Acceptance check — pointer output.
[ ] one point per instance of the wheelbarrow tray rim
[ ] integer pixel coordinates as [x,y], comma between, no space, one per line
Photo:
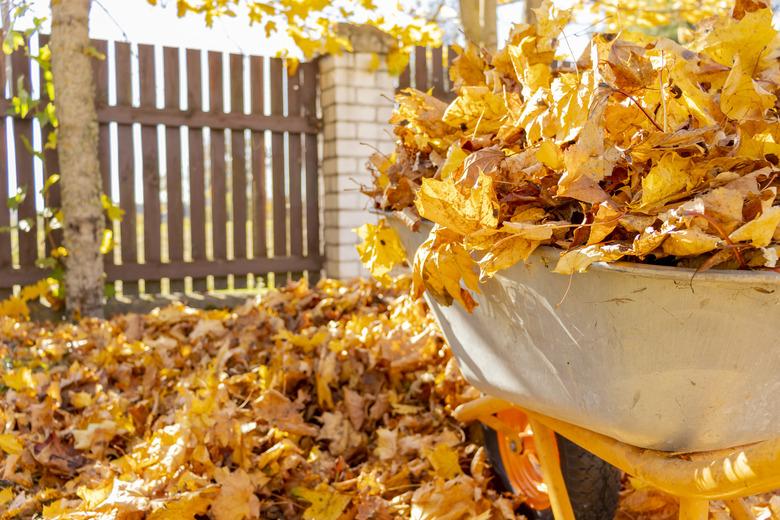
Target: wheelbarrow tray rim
[679,274]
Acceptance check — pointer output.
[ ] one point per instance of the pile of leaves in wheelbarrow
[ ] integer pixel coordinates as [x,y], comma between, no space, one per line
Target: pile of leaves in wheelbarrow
[643,150]
[326,403]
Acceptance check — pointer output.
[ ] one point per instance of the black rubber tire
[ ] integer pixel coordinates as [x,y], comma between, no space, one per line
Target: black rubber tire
[593,484]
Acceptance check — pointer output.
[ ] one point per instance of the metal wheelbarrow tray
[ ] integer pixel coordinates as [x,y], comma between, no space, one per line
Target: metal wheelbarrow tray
[652,356]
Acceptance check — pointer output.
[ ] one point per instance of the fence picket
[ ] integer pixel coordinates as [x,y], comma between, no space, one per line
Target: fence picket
[126,161]
[238,165]
[196,172]
[309,105]
[437,71]
[278,168]
[421,68]
[218,174]
[259,217]
[405,79]
[174,208]
[150,163]
[295,166]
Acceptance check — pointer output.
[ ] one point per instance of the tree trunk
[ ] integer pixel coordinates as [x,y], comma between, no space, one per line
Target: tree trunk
[77,145]
[478,18]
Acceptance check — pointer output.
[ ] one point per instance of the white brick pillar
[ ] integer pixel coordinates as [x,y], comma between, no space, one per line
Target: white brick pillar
[356,105]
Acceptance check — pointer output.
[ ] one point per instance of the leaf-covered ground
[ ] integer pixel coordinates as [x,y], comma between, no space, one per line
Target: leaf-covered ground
[325,403]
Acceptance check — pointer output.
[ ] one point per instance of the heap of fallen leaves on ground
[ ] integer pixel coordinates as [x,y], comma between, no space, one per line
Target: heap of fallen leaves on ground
[316,403]
[644,150]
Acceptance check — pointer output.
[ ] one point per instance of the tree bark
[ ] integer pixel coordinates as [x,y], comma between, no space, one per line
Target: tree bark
[77,145]
[478,18]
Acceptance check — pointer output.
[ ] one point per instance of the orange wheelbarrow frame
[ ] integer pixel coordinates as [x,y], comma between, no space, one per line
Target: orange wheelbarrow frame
[694,478]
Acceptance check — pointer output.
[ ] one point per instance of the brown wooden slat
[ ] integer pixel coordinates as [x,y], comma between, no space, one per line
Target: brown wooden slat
[127,115]
[420,68]
[195,269]
[405,79]
[218,174]
[173,149]
[150,161]
[5,215]
[309,102]
[197,178]
[100,72]
[259,248]
[201,120]
[451,55]
[126,164]
[295,165]
[277,164]
[437,71]
[238,163]
[25,174]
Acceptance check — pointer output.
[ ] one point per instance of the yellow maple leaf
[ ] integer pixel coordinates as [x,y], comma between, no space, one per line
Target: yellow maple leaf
[14,307]
[185,506]
[444,460]
[20,379]
[6,495]
[748,38]
[506,253]
[578,260]
[453,161]
[56,509]
[689,242]
[550,155]
[665,179]
[326,503]
[37,290]
[742,98]
[236,499]
[760,230]
[10,444]
[477,109]
[381,249]
[443,203]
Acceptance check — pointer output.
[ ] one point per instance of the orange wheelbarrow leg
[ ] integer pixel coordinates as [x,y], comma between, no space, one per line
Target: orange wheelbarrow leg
[738,509]
[547,450]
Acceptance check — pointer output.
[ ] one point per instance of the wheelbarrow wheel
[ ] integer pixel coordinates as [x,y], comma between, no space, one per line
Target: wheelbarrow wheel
[592,484]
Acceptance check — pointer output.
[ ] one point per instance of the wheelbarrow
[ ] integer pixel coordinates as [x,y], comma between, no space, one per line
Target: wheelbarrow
[670,375]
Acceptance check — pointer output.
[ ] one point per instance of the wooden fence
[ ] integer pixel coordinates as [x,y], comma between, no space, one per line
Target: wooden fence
[429,69]
[212,158]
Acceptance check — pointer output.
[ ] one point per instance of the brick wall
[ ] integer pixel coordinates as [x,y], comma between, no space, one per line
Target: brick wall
[356,105]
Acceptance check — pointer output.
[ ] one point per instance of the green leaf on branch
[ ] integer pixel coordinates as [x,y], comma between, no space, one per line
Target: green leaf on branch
[50,181]
[12,41]
[107,243]
[51,139]
[92,52]
[15,200]
[113,212]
